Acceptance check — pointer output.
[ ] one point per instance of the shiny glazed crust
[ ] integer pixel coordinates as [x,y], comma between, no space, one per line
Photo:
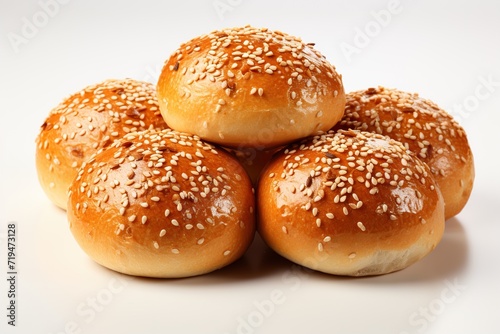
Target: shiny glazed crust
[424,128]
[350,203]
[162,204]
[250,87]
[87,121]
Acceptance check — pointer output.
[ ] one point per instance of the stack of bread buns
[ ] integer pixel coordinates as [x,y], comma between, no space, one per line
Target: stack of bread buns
[159,181]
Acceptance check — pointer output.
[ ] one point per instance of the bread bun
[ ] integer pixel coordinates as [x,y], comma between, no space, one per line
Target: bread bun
[250,87]
[253,160]
[87,121]
[350,203]
[162,204]
[424,128]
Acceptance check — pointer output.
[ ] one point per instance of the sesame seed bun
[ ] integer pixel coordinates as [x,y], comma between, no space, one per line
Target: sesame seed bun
[250,87]
[350,203]
[87,121]
[424,128]
[162,204]
[253,160]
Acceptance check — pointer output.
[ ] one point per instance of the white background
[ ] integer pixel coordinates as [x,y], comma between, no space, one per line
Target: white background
[448,51]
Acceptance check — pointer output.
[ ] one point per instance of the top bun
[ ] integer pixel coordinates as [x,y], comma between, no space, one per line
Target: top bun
[250,87]
[87,121]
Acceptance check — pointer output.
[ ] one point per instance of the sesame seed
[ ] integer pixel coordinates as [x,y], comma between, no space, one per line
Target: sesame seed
[163,232]
[227,252]
[308,181]
[361,226]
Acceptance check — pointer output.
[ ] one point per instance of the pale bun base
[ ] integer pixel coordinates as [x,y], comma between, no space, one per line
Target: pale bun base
[455,180]
[136,259]
[368,260]
[55,183]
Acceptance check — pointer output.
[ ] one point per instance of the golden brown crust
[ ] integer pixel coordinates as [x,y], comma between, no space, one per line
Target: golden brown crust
[87,121]
[424,128]
[162,204]
[253,160]
[350,203]
[250,87]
